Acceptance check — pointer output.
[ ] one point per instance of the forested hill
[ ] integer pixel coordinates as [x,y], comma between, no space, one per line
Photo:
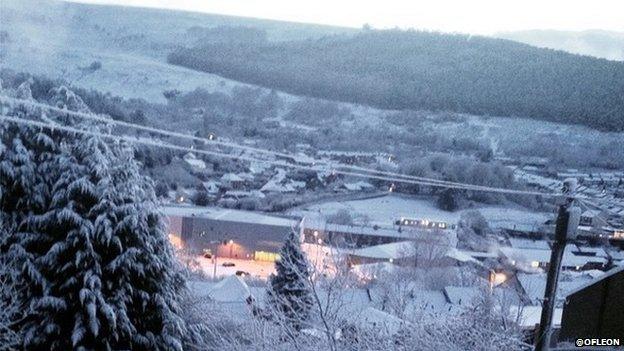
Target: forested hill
[423,70]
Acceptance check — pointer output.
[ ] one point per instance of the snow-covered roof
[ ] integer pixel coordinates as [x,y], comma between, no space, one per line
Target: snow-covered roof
[534,285]
[372,270]
[231,177]
[230,289]
[519,243]
[461,256]
[274,187]
[297,184]
[430,301]
[239,194]
[572,256]
[597,251]
[478,254]
[591,282]
[211,186]
[194,162]
[529,316]
[380,321]
[303,158]
[351,186]
[617,255]
[246,176]
[230,215]
[257,167]
[396,250]
[461,295]
[366,230]
[591,213]
[526,255]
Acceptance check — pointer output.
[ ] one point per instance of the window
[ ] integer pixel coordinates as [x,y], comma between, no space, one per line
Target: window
[266,256]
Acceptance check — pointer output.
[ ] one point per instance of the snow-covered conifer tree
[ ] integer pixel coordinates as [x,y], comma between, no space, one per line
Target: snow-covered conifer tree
[96,270]
[289,292]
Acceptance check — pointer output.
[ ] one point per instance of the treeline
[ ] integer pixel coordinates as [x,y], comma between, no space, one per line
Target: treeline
[422,70]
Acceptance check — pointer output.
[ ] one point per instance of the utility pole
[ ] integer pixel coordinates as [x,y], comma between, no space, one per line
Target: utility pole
[567,222]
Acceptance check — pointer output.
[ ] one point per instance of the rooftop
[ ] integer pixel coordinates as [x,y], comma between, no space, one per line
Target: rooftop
[223,214]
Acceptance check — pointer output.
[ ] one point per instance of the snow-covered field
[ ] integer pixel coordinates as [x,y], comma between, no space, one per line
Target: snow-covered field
[387,209]
[59,39]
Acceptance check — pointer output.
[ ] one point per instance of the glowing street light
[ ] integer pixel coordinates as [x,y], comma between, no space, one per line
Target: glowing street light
[497,278]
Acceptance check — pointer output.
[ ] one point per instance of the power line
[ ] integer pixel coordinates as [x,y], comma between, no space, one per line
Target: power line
[118,138]
[107,120]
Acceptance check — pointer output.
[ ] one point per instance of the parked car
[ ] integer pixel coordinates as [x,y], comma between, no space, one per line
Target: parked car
[207,255]
[242,273]
[228,264]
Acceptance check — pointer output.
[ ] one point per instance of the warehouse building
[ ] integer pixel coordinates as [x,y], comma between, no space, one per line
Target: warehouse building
[227,233]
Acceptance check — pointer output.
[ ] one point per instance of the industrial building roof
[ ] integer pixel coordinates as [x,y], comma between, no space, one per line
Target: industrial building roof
[230,215]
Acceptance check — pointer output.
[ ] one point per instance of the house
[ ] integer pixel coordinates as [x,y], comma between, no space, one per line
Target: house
[534,161]
[424,223]
[593,218]
[232,181]
[212,187]
[595,309]
[358,236]
[526,259]
[183,195]
[275,187]
[195,164]
[242,194]
[358,186]
[396,252]
[532,260]
[258,167]
[230,233]
[533,286]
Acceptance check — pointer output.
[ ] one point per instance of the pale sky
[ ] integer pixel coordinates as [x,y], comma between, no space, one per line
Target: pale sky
[468,16]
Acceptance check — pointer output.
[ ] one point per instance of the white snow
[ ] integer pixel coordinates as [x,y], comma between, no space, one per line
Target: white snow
[529,316]
[227,215]
[382,322]
[396,250]
[385,210]
[230,289]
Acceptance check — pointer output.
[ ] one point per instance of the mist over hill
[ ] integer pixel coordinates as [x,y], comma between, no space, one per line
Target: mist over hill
[597,43]
[395,69]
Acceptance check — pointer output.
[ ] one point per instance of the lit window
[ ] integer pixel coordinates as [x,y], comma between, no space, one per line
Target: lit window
[266,256]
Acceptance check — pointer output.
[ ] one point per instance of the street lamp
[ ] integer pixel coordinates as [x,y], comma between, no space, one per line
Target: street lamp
[216,251]
[496,278]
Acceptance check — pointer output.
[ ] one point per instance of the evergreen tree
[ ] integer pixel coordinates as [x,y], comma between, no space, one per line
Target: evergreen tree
[97,271]
[448,200]
[288,292]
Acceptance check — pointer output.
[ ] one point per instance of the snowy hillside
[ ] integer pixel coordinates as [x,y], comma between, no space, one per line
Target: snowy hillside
[62,40]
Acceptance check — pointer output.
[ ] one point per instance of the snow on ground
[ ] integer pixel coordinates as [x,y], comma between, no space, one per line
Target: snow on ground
[387,209]
[383,210]
[60,40]
[256,269]
[502,217]
[127,75]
